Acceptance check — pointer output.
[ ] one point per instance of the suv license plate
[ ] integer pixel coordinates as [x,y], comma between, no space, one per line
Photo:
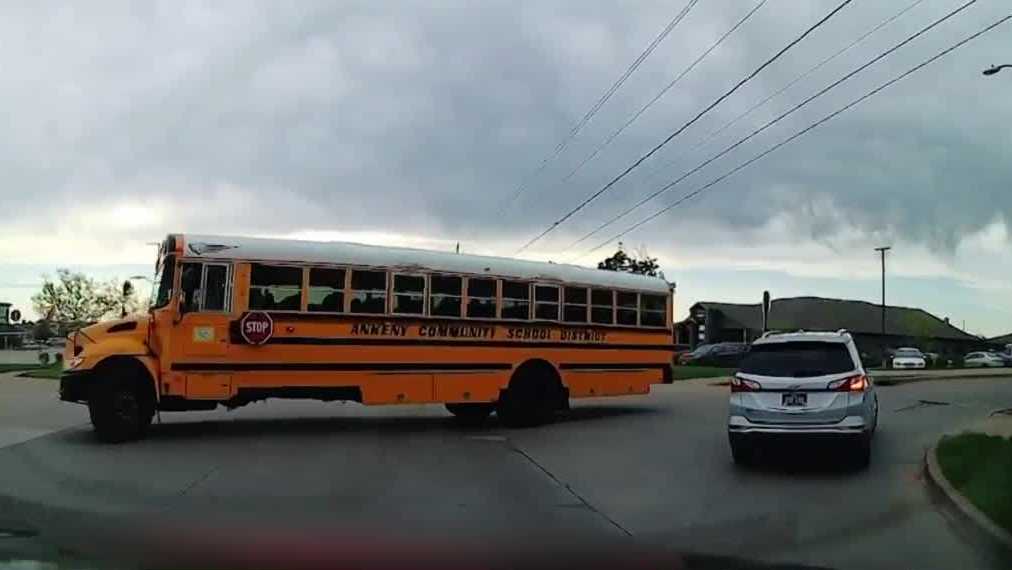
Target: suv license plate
[795,399]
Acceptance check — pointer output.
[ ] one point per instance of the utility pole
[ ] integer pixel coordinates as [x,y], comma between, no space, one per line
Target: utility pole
[882,252]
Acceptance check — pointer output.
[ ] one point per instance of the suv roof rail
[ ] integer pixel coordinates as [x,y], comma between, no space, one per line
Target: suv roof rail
[841,332]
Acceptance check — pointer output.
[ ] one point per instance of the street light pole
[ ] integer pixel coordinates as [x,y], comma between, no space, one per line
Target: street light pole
[882,252]
[996,68]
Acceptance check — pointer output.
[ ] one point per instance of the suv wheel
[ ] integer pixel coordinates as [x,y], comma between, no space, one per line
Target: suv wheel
[741,450]
[861,451]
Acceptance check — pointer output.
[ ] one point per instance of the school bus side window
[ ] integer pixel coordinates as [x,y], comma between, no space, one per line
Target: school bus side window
[189,286]
[516,300]
[326,290]
[444,295]
[626,308]
[653,309]
[215,286]
[481,298]
[368,292]
[204,287]
[409,294]
[575,309]
[601,305]
[275,288]
[546,302]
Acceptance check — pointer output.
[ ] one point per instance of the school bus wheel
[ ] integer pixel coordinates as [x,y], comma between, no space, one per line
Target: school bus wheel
[121,403]
[535,392]
[470,414]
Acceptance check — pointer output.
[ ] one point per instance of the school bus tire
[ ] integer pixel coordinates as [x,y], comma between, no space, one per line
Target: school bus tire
[121,404]
[470,414]
[534,394]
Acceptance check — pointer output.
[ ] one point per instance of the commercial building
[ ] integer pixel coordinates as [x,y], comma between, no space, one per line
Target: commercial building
[1001,342]
[711,322]
[10,335]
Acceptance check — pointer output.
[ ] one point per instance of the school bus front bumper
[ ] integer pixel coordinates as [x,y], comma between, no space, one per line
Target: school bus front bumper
[74,385]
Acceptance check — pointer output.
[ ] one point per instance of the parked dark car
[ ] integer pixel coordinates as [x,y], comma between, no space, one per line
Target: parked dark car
[687,357]
[679,351]
[727,354]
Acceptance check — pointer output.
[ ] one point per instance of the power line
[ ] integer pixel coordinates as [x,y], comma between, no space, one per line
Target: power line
[779,92]
[600,102]
[798,134]
[662,92]
[772,122]
[816,67]
[669,138]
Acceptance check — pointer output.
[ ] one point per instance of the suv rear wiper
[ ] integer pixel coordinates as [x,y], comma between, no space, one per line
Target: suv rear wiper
[808,373]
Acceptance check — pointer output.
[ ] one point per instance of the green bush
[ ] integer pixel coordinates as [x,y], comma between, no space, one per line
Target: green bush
[697,371]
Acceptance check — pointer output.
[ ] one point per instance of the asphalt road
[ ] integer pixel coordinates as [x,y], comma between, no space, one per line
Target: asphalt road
[646,470]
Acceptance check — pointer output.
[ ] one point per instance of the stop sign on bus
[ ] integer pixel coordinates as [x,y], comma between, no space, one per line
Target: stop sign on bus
[256,327]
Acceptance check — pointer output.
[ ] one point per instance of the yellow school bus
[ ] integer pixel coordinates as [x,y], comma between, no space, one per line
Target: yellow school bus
[234,320]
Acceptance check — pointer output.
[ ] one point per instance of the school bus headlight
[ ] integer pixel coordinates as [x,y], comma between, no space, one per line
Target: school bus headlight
[74,362]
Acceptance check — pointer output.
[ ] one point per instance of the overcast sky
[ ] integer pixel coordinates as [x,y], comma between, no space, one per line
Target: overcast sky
[414,122]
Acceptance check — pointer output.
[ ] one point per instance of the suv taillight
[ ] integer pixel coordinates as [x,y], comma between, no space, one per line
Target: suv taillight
[739,384]
[857,383]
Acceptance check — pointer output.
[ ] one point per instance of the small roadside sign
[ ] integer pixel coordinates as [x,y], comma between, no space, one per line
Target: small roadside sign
[766,310]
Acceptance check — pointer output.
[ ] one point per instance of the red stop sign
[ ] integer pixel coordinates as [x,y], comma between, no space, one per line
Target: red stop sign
[256,327]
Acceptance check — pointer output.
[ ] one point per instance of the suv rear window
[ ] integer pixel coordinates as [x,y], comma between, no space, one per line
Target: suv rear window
[797,359]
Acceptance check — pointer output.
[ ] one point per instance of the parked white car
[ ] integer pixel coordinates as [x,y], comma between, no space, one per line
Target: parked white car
[909,358]
[983,360]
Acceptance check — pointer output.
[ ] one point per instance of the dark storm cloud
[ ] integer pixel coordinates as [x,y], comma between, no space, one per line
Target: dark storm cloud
[422,117]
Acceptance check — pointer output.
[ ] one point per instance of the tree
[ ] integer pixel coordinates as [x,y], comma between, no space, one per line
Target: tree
[621,261]
[77,298]
[42,330]
[127,300]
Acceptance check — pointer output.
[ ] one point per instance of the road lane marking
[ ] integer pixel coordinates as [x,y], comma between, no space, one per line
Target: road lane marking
[568,488]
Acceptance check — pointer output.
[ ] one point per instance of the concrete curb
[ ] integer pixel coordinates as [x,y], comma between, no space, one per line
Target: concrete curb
[962,504]
[898,380]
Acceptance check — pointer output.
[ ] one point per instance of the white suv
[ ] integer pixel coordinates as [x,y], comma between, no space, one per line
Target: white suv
[807,384]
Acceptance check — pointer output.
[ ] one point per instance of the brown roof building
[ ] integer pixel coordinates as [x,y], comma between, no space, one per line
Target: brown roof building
[711,322]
